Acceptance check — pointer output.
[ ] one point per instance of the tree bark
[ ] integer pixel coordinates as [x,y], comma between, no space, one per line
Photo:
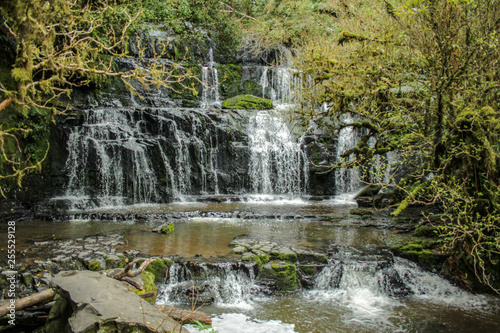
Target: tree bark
[5,103]
[25,302]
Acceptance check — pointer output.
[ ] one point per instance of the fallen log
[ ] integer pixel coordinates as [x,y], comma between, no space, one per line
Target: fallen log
[185,316]
[28,301]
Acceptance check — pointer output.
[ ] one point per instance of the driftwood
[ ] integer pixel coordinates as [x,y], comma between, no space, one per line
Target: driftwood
[127,271]
[28,301]
[185,316]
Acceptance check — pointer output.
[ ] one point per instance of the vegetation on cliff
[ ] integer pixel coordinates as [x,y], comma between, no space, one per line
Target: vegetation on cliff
[420,79]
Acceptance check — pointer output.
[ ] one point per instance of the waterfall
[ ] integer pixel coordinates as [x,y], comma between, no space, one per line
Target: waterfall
[278,165]
[347,180]
[219,283]
[264,82]
[103,149]
[370,283]
[210,96]
[140,155]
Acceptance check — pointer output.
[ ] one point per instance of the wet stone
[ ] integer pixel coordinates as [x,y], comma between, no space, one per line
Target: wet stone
[239,249]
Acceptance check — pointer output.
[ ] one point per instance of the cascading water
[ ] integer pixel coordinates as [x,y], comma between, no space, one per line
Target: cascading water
[223,284]
[210,96]
[139,155]
[278,165]
[347,180]
[105,146]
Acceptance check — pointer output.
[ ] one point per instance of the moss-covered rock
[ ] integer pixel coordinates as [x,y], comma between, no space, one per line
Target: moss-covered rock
[230,80]
[247,102]
[158,268]
[308,270]
[149,286]
[424,230]
[167,229]
[95,266]
[286,276]
[423,250]
[251,87]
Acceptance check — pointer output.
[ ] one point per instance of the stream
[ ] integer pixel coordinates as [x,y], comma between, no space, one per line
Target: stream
[362,288]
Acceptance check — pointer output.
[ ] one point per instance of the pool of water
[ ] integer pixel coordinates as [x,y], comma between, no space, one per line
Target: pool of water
[357,305]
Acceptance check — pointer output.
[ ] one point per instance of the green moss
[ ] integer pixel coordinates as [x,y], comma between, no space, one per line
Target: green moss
[285,276]
[168,229]
[251,87]
[230,80]
[424,230]
[289,257]
[95,266]
[247,102]
[261,258]
[309,270]
[149,286]
[158,268]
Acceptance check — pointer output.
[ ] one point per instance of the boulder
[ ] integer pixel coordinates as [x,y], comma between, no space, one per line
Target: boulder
[91,302]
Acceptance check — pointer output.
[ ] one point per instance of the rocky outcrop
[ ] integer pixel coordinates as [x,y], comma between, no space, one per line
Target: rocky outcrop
[92,302]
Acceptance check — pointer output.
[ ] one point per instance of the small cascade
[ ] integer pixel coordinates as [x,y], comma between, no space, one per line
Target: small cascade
[347,180]
[129,156]
[379,281]
[105,147]
[220,283]
[264,82]
[210,96]
[278,165]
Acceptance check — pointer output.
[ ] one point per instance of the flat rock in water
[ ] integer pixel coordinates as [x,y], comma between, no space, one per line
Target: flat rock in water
[100,300]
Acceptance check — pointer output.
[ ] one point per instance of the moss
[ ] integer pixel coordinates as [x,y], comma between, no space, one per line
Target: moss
[95,266]
[289,257]
[260,259]
[158,268]
[230,80]
[247,102]
[168,229]
[309,270]
[251,87]
[424,230]
[421,252]
[285,275]
[149,286]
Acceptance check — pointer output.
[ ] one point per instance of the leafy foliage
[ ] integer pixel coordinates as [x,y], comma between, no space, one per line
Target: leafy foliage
[60,45]
[419,79]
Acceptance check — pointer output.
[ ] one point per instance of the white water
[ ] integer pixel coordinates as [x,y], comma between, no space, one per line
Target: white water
[347,180]
[210,96]
[277,163]
[112,136]
[349,295]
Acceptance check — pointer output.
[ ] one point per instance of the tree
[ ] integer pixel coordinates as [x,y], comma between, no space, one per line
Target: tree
[57,46]
[421,79]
